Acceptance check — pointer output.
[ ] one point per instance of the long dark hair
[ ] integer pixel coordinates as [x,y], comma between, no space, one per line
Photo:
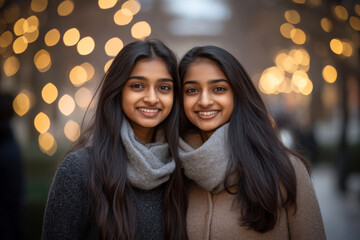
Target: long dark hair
[257,155]
[107,178]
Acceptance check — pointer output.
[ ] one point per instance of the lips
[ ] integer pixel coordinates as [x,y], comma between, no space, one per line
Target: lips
[207,114]
[149,112]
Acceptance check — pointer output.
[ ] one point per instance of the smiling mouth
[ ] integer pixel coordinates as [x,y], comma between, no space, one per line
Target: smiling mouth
[207,114]
[148,110]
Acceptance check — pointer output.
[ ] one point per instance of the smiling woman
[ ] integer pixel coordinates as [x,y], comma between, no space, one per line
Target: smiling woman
[244,183]
[123,178]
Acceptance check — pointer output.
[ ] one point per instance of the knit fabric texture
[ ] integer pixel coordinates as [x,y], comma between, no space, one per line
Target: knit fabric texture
[68,213]
[206,164]
[149,165]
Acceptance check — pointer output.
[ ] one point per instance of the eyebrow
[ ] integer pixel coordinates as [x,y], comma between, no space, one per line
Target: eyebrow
[141,78]
[210,82]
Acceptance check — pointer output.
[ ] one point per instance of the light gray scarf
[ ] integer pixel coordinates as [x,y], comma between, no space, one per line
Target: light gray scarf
[206,164]
[149,165]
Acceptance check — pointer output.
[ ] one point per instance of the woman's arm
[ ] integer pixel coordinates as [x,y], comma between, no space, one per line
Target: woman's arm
[307,222]
[66,212]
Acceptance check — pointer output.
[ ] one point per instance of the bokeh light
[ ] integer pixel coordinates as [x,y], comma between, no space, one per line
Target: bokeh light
[285,29]
[42,122]
[47,143]
[85,46]
[292,16]
[33,24]
[299,1]
[329,74]
[71,37]
[326,24]
[90,70]
[21,104]
[123,16]
[347,49]
[52,37]
[38,5]
[341,13]
[336,46]
[6,39]
[106,4]
[11,66]
[298,36]
[133,5]
[49,93]
[357,9]
[108,64]
[271,79]
[78,76]
[21,26]
[113,46]
[141,30]
[65,8]
[66,105]
[355,23]
[20,45]
[42,60]
[72,130]
[299,80]
[31,36]
[83,97]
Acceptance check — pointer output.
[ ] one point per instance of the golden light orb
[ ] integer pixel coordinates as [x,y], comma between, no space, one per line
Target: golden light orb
[292,16]
[20,45]
[285,29]
[78,76]
[52,37]
[71,37]
[336,46]
[42,122]
[72,130]
[106,4]
[83,97]
[6,39]
[113,46]
[21,26]
[355,23]
[326,24]
[341,13]
[123,17]
[133,5]
[11,66]
[65,8]
[90,70]
[21,104]
[141,30]
[49,93]
[329,74]
[85,46]
[42,60]
[108,64]
[66,105]
[38,5]
[298,36]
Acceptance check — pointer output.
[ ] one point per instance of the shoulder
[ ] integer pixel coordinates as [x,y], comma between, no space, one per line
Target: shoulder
[300,169]
[75,162]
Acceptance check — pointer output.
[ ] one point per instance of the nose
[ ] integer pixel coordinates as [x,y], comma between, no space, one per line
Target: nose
[151,97]
[205,100]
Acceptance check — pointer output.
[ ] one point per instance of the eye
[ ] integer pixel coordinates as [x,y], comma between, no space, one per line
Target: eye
[136,85]
[165,88]
[219,89]
[191,90]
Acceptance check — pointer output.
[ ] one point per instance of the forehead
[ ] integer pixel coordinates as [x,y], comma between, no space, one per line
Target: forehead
[204,69]
[150,66]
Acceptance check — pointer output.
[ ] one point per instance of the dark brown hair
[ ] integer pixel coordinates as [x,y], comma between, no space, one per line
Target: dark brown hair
[257,155]
[107,178]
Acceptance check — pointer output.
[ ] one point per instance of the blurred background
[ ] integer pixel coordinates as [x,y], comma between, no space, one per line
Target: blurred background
[303,56]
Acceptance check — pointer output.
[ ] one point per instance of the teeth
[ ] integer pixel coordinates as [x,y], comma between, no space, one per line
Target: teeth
[148,110]
[207,113]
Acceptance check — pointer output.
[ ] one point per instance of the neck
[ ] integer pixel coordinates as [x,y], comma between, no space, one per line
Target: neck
[205,135]
[144,134]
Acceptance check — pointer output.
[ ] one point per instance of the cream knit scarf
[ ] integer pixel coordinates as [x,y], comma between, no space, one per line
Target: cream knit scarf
[206,164]
[149,165]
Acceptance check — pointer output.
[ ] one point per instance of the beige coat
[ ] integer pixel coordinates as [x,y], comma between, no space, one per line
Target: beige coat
[212,217]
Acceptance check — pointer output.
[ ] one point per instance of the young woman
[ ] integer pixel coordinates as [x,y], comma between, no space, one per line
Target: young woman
[243,182]
[124,181]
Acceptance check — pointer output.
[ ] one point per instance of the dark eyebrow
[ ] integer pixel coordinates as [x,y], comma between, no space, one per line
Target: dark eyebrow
[141,78]
[210,82]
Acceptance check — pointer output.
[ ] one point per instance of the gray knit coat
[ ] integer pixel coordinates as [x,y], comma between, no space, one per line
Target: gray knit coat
[68,213]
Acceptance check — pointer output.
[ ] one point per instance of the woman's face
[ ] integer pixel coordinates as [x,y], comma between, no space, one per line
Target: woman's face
[147,96]
[208,96]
